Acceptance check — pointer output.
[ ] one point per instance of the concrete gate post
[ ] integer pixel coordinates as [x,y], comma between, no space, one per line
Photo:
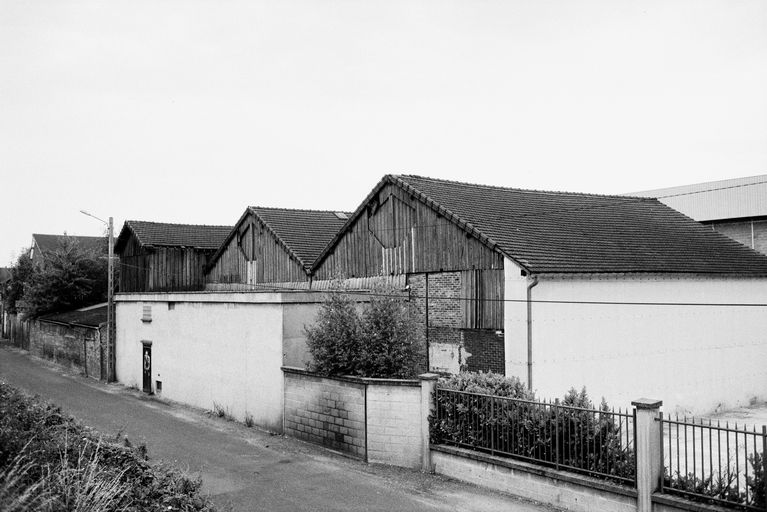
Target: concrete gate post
[428,384]
[648,447]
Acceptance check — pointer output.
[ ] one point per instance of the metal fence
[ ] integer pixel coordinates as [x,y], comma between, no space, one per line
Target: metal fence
[715,463]
[595,442]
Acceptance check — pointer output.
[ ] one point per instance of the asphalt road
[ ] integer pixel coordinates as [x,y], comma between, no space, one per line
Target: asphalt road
[245,468]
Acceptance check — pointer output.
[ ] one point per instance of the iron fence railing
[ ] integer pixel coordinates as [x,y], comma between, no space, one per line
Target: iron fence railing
[715,463]
[596,442]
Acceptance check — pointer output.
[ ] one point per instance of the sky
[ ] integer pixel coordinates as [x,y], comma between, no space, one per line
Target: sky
[189,111]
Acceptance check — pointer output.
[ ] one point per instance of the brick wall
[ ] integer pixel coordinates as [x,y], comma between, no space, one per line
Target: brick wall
[394,424]
[72,346]
[330,412]
[452,348]
[486,349]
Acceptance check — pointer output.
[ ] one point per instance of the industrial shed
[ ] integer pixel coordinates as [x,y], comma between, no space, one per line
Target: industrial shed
[736,207]
[621,294]
[164,257]
[272,245]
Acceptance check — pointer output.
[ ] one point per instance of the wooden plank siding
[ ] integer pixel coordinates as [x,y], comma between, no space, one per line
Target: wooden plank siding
[159,269]
[253,242]
[400,235]
[483,304]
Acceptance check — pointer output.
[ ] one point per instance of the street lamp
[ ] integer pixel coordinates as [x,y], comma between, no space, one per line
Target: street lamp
[110,299]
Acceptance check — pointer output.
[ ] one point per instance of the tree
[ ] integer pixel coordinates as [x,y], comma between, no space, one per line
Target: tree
[71,277]
[21,275]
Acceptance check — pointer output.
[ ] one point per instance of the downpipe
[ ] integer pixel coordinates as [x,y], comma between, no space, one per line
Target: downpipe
[533,283]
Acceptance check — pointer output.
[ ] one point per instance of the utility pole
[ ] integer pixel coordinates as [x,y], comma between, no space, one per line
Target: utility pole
[111,331]
[111,307]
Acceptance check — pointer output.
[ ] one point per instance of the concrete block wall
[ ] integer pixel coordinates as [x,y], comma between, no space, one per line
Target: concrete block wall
[394,423]
[377,420]
[330,412]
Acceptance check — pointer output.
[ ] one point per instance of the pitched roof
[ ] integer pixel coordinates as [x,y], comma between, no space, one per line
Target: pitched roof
[304,233]
[92,317]
[173,235]
[564,232]
[50,243]
[5,274]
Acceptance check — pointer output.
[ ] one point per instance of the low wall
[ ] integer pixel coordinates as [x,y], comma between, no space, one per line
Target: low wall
[73,346]
[561,489]
[557,488]
[377,420]
[330,412]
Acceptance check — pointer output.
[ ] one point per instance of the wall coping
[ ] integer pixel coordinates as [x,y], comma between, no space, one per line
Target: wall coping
[681,503]
[564,476]
[367,381]
[235,297]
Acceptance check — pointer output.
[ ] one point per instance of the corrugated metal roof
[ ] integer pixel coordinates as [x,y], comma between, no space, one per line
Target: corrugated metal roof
[716,200]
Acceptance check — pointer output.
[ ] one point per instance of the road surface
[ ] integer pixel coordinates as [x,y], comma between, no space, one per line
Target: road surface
[245,468]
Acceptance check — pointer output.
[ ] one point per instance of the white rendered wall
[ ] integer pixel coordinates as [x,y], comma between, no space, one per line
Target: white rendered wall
[696,359]
[210,348]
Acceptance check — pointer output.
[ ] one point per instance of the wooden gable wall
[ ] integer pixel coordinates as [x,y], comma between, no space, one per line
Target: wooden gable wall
[161,269]
[254,246]
[398,234]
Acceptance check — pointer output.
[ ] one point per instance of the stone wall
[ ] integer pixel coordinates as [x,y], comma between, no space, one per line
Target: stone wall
[76,347]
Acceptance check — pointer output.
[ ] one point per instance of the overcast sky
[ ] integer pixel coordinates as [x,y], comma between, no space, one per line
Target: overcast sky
[188,111]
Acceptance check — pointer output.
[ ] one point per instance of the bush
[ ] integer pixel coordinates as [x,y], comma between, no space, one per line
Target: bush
[49,462]
[334,340]
[577,436]
[380,342]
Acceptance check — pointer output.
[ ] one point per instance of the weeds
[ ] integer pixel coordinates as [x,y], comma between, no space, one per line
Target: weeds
[222,411]
[249,422]
[49,462]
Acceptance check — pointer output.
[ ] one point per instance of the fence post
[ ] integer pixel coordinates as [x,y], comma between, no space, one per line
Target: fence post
[428,383]
[648,449]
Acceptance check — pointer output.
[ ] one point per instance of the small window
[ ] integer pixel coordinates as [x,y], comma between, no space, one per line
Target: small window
[171,306]
[146,314]
[158,386]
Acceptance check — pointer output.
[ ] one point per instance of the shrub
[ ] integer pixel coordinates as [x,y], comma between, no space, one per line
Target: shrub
[578,435]
[487,383]
[334,339]
[388,339]
[380,342]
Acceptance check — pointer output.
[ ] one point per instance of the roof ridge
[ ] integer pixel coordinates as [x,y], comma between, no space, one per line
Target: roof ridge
[282,209]
[180,224]
[515,189]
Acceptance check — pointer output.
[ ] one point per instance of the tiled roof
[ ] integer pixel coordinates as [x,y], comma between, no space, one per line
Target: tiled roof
[303,232]
[92,317]
[50,243]
[549,232]
[173,235]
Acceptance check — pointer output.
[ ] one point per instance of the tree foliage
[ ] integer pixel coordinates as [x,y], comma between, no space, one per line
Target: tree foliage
[70,277]
[21,274]
[378,342]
